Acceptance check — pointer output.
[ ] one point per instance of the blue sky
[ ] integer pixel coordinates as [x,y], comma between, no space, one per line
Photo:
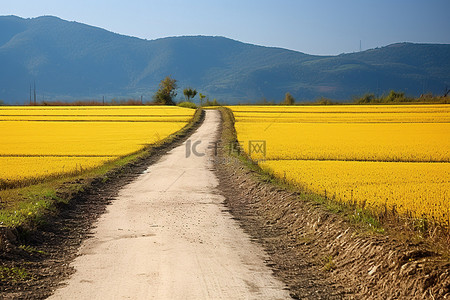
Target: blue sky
[314,27]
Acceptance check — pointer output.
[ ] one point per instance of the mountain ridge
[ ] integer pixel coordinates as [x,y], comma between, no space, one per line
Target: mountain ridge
[71,61]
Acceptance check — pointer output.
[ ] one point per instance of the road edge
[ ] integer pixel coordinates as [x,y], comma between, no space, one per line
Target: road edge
[338,259]
[43,254]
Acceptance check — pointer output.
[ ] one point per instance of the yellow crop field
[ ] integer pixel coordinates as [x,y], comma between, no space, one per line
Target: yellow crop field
[438,108]
[414,188]
[41,142]
[382,157]
[96,113]
[73,111]
[81,138]
[22,168]
[427,142]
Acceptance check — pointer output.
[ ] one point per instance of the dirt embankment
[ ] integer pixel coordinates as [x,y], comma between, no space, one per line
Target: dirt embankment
[33,263]
[319,254]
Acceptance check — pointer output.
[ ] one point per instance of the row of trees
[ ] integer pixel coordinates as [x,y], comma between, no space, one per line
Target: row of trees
[167,92]
[394,97]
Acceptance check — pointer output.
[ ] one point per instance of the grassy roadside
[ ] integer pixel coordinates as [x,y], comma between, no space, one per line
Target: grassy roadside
[365,219]
[28,207]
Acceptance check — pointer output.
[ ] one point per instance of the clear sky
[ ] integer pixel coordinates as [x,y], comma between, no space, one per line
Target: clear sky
[313,26]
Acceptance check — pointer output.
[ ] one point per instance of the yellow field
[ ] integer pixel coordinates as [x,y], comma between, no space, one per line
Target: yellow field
[43,142]
[81,138]
[72,111]
[379,156]
[351,141]
[96,113]
[413,188]
[16,169]
[438,108]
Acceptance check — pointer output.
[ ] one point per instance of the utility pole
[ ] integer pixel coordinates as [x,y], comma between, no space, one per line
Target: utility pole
[103,100]
[141,99]
[30,95]
[378,88]
[35,92]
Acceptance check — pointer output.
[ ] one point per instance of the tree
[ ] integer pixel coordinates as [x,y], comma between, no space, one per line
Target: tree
[395,97]
[288,99]
[212,103]
[189,93]
[166,92]
[367,98]
[201,98]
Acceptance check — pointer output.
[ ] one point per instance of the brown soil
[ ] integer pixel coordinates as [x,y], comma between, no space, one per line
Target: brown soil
[55,245]
[319,254]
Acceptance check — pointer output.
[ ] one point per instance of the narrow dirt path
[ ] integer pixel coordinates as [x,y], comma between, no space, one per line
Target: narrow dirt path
[168,235]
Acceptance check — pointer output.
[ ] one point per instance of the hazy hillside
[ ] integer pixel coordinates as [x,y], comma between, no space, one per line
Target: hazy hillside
[69,60]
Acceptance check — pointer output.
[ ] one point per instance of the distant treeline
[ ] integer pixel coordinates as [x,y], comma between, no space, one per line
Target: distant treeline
[392,97]
[399,97]
[129,102]
[113,102]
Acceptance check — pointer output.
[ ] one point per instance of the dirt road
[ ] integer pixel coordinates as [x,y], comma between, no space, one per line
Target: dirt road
[168,236]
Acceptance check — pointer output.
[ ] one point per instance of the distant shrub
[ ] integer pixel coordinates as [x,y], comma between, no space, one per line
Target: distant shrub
[395,97]
[288,99]
[325,101]
[126,102]
[187,104]
[212,103]
[444,100]
[391,98]
[113,102]
[367,98]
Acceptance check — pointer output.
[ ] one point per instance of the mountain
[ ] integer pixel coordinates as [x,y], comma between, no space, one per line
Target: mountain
[69,61]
